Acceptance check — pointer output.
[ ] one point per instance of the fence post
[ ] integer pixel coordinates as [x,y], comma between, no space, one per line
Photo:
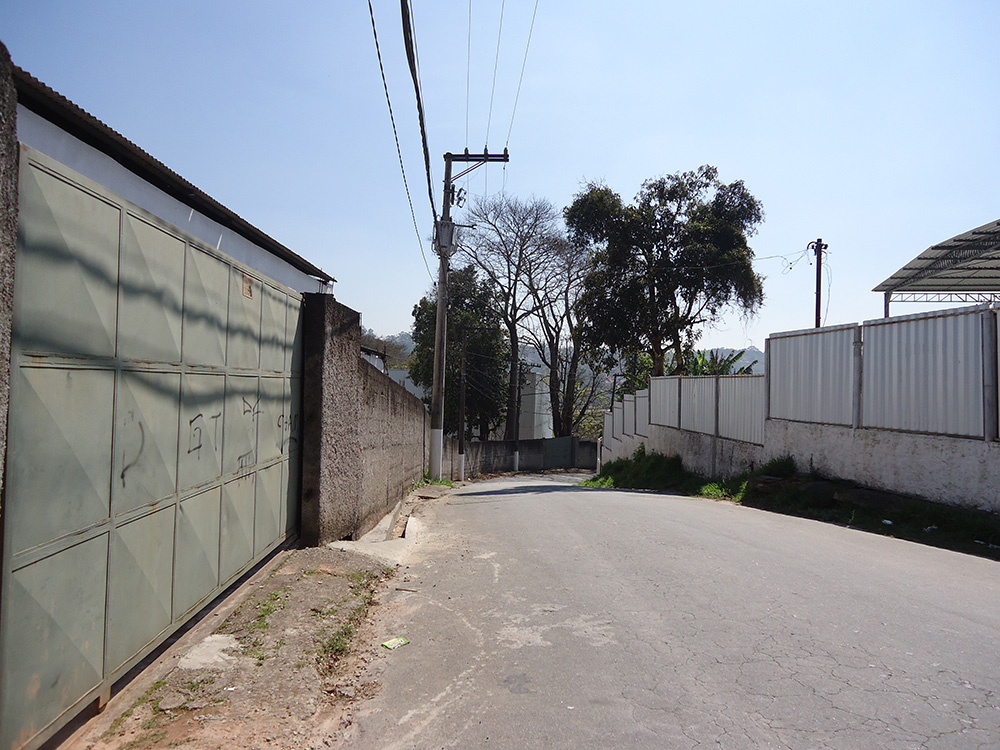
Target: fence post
[767,379]
[990,414]
[858,370]
[680,392]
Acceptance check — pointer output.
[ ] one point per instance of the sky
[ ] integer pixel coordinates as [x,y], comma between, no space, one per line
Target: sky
[870,124]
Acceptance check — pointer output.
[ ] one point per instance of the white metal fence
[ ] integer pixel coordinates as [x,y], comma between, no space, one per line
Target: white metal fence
[811,374]
[741,408]
[642,412]
[932,373]
[924,373]
[628,422]
[698,405]
[665,399]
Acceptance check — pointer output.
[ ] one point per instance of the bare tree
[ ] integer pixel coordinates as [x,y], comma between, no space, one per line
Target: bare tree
[509,244]
[554,332]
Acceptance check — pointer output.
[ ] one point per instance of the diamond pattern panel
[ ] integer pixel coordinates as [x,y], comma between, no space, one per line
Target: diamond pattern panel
[139,585]
[243,338]
[268,516]
[151,293]
[200,444]
[206,301]
[145,466]
[242,414]
[196,556]
[53,637]
[272,330]
[66,285]
[59,460]
[237,526]
[271,422]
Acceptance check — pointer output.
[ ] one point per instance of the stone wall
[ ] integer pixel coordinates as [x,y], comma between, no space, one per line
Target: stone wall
[363,436]
[8,238]
[394,429]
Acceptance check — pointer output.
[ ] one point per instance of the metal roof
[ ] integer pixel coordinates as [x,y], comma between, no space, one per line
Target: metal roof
[60,111]
[965,264]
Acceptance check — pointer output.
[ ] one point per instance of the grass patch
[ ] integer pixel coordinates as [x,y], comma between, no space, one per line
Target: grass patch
[337,644]
[273,603]
[427,480]
[117,723]
[777,487]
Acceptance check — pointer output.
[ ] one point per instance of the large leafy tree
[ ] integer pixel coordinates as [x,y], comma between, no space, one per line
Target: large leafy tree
[474,324]
[670,262]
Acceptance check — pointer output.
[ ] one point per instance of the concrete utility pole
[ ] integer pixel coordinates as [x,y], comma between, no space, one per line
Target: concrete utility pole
[818,247]
[444,241]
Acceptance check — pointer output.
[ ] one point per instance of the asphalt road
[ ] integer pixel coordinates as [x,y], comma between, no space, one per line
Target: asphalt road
[543,615]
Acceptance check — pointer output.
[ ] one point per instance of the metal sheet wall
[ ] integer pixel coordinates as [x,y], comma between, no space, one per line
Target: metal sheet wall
[664,395]
[609,433]
[698,404]
[741,408]
[629,408]
[152,440]
[812,375]
[619,419]
[924,373]
[642,412]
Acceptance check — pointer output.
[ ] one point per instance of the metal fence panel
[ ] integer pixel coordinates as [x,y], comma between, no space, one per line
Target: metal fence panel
[642,412]
[924,373]
[153,434]
[664,396]
[812,375]
[609,432]
[741,408]
[698,404]
[628,426]
[619,420]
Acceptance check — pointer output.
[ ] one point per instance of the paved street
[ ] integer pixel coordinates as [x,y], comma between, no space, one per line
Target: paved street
[543,615]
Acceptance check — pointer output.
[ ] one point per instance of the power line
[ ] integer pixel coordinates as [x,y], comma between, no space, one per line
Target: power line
[395,135]
[411,58]
[521,79]
[496,63]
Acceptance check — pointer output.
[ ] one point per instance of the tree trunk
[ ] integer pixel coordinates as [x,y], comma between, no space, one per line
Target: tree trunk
[511,427]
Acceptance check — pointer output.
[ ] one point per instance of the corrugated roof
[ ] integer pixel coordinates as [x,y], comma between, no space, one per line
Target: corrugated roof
[968,262]
[60,111]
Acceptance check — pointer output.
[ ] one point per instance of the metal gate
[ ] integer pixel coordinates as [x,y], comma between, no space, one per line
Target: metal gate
[152,440]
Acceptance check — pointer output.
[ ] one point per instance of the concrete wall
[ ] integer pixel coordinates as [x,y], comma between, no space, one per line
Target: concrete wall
[8,238]
[498,456]
[394,428]
[363,436]
[956,471]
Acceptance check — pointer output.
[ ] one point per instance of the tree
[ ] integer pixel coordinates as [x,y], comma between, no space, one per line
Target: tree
[554,332]
[472,321]
[508,244]
[665,265]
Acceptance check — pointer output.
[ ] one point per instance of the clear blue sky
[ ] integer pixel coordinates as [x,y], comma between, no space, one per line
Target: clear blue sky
[871,124]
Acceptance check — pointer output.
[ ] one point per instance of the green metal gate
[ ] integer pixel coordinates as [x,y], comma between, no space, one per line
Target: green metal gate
[152,440]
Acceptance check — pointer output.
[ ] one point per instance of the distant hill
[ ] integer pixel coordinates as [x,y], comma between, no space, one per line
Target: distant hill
[752,355]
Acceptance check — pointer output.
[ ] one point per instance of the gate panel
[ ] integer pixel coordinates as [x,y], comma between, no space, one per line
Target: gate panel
[151,293]
[60,447]
[153,440]
[53,643]
[139,606]
[196,544]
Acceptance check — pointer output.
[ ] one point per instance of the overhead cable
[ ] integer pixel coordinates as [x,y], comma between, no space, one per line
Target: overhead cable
[521,79]
[395,135]
[411,58]
[496,63]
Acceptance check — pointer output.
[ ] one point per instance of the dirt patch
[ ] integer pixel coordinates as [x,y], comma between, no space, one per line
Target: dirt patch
[282,671]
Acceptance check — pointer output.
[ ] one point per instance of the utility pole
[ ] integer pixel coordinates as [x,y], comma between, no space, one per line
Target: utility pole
[461,420]
[818,247]
[517,418]
[444,246]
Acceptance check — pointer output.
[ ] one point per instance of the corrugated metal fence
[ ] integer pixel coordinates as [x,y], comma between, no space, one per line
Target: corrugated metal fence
[933,373]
